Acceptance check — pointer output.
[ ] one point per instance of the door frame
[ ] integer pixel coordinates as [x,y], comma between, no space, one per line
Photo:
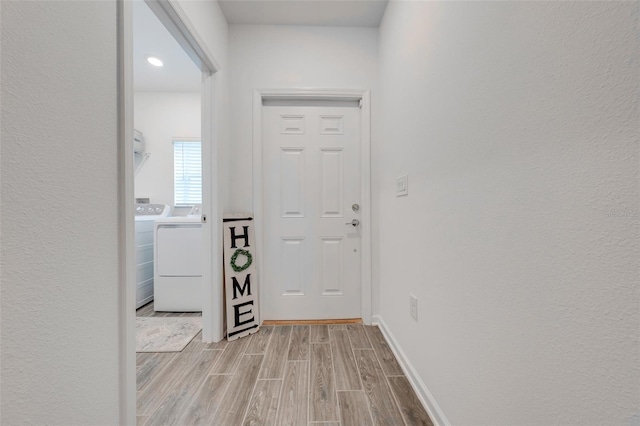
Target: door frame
[170,13]
[359,95]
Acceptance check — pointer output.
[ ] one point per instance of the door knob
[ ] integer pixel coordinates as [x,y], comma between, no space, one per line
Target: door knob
[354,223]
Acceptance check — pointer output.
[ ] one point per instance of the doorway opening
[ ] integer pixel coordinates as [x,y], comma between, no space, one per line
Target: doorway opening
[141,105]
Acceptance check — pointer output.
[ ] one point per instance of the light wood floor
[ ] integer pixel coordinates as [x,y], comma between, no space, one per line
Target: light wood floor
[295,375]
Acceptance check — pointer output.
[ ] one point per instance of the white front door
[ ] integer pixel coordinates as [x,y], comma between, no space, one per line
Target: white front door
[311,195]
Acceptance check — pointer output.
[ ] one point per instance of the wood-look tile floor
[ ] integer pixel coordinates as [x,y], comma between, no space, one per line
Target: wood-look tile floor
[299,375]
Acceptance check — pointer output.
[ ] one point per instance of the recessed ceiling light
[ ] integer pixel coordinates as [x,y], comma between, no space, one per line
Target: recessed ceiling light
[154,61]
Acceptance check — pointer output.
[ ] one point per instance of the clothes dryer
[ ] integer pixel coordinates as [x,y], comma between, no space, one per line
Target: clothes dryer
[178,264]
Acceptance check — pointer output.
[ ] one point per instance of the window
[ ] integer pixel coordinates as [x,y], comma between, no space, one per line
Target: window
[187,172]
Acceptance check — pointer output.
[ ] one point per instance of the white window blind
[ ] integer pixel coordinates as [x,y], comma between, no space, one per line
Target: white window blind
[187,172]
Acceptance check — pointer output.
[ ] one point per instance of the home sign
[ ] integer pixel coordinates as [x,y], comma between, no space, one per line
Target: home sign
[241,285]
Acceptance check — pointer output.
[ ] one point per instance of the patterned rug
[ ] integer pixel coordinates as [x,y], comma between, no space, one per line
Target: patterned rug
[165,334]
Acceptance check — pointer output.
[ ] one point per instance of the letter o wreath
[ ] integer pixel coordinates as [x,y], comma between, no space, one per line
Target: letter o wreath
[235,256]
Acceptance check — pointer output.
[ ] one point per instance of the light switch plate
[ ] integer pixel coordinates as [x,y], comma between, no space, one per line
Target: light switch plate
[402,185]
[413,307]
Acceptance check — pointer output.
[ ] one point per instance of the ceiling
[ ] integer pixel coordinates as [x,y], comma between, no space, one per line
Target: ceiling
[344,13]
[180,74]
[150,37]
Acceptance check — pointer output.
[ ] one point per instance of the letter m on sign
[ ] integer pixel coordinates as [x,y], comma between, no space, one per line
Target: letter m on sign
[245,287]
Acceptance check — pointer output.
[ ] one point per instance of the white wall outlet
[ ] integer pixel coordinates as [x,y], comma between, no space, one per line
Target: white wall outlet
[402,185]
[413,306]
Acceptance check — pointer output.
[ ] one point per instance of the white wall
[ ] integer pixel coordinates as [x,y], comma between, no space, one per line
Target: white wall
[161,117]
[273,57]
[59,213]
[518,126]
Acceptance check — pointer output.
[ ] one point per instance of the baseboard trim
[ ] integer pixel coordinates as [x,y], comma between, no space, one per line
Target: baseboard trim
[313,322]
[425,396]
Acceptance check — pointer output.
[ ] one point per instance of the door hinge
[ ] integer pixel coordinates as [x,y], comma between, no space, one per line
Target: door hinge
[360,104]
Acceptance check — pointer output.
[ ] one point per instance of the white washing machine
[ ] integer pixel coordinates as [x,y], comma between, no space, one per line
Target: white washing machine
[178,264]
[146,215]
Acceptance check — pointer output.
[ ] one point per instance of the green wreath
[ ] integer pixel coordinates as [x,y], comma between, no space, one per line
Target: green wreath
[235,256]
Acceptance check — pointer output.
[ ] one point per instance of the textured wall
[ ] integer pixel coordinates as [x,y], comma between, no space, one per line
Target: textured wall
[518,125]
[59,213]
[162,116]
[276,57]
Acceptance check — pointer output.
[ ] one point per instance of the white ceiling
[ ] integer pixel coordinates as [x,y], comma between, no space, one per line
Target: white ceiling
[180,74]
[150,37]
[344,13]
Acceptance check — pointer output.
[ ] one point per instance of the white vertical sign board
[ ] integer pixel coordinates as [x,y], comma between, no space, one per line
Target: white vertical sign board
[240,280]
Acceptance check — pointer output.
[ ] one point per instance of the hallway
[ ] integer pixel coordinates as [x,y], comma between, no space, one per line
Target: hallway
[282,375]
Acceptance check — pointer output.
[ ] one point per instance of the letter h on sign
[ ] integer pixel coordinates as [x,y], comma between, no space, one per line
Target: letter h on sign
[235,237]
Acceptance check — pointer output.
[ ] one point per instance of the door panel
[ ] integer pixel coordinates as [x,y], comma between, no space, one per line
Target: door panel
[331,182]
[291,268]
[311,178]
[331,272]
[292,182]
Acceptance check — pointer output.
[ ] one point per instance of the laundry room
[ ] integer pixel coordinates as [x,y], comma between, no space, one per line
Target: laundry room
[168,170]
[168,166]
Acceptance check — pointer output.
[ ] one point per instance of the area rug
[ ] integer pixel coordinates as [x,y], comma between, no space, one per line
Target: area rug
[165,334]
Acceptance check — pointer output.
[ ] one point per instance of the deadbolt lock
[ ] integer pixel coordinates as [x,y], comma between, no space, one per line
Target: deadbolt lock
[355,207]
